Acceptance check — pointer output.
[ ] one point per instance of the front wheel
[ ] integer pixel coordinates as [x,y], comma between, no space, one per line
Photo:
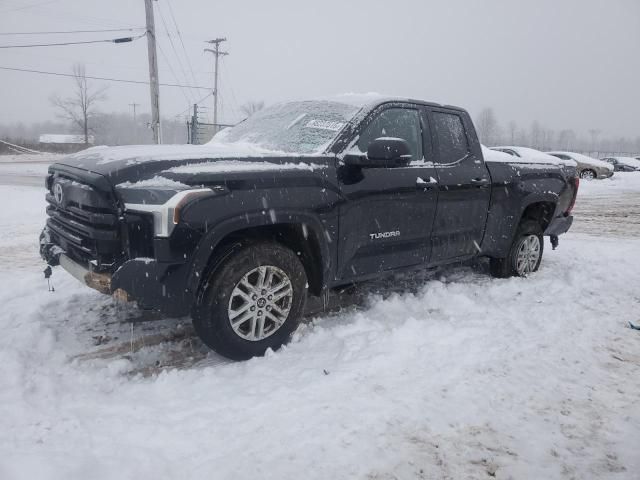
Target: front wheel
[252,302]
[525,254]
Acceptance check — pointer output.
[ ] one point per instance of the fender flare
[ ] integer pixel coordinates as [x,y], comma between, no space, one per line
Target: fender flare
[532,198]
[213,237]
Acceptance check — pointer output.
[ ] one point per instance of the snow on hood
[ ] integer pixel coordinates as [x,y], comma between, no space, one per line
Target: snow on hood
[134,154]
[155,182]
[585,159]
[530,155]
[233,166]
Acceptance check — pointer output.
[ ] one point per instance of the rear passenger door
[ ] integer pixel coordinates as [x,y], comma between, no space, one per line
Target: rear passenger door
[464,187]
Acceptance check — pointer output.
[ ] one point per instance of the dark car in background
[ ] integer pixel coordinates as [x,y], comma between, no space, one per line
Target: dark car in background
[623,164]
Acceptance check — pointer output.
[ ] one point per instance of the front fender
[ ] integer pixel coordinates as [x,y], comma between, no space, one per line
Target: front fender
[200,261]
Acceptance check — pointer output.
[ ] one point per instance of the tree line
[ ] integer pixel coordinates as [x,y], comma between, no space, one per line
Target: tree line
[537,136]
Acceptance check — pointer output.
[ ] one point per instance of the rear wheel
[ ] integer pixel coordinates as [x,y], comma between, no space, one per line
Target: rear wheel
[252,302]
[525,253]
[588,174]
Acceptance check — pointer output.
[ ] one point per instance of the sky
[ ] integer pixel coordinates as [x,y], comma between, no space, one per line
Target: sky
[565,63]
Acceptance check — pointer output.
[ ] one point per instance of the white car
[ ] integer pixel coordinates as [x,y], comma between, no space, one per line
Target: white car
[588,168]
[534,156]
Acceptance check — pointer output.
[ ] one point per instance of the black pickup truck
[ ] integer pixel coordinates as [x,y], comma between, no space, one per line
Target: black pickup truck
[300,198]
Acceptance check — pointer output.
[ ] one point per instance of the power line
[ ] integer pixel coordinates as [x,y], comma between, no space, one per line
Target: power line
[75,31]
[29,6]
[106,79]
[111,40]
[175,51]
[164,55]
[197,101]
[175,23]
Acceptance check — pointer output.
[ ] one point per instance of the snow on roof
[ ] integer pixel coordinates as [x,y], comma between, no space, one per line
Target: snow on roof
[57,138]
[584,159]
[231,166]
[530,155]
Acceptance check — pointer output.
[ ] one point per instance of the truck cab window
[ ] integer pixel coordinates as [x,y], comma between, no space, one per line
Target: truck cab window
[395,122]
[452,139]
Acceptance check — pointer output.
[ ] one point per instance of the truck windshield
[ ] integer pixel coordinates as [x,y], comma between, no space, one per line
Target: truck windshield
[306,127]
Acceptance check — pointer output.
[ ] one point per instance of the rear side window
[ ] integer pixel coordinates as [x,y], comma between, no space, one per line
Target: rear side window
[398,123]
[452,139]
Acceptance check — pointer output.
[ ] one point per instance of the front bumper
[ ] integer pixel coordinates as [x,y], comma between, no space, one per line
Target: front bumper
[152,284]
[98,281]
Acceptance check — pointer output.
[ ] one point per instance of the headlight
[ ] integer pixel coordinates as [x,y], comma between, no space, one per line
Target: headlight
[167,215]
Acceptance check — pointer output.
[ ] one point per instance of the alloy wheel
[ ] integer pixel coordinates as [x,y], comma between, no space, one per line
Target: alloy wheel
[260,303]
[528,255]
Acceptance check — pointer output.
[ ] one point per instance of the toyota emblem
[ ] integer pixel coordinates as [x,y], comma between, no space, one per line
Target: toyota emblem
[57,193]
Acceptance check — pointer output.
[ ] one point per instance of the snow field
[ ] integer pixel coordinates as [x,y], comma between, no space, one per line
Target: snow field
[457,376]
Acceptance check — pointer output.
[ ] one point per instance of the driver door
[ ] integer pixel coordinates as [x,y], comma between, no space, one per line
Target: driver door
[387,214]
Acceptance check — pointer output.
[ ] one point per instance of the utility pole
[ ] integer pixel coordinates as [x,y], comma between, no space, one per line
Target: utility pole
[153,72]
[217,54]
[135,123]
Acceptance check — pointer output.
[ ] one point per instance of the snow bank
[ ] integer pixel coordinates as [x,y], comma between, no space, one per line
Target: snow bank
[620,182]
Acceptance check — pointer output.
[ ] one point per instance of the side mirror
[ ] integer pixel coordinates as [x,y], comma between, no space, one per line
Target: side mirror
[384,152]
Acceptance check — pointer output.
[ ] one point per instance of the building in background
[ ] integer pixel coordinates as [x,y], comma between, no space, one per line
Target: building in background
[63,143]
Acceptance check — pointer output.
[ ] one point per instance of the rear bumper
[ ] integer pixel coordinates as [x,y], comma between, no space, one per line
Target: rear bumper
[559,225]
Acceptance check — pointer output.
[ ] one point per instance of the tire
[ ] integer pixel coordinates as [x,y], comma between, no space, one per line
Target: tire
[513,265]
[257,285]
[588,174]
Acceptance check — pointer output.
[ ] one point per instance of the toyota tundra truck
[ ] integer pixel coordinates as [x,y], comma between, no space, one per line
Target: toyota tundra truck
[297,200]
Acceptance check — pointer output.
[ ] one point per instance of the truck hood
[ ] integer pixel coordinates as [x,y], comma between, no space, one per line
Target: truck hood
[144,163]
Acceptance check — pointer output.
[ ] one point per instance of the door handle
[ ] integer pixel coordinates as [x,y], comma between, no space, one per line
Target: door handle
[479,181]
[425,185]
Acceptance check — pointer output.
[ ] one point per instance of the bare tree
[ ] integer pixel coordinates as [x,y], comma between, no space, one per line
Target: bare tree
[512,128]
[251,107]
[594,132]
[79,108]
[536,135]
[566,138]
[488,129]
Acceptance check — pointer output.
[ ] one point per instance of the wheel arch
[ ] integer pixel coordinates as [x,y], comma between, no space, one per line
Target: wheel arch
[541,210]
[303,234]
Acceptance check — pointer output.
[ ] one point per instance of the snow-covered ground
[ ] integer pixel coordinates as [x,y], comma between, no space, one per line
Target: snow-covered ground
[450,374]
